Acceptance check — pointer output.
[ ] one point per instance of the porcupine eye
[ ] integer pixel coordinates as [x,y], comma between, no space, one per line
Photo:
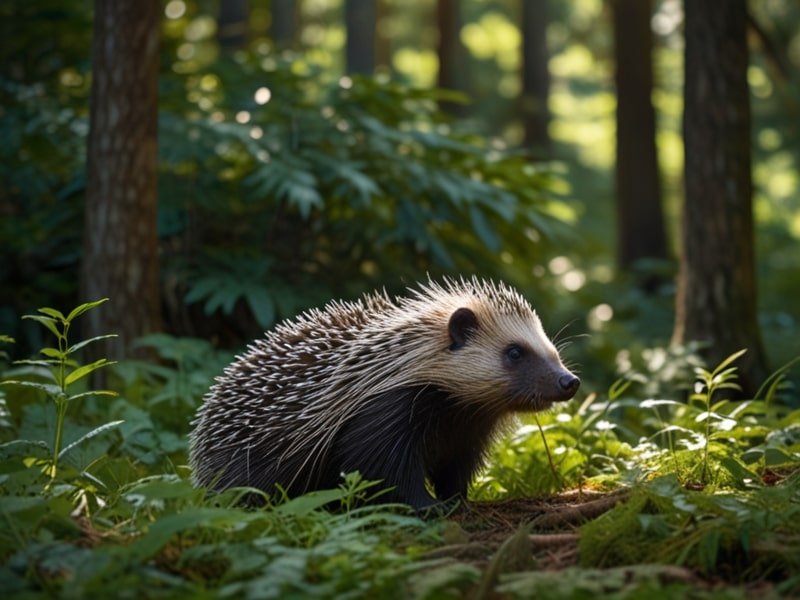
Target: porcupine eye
[514,353]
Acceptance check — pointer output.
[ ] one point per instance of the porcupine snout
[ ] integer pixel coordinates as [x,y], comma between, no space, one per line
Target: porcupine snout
[570,384]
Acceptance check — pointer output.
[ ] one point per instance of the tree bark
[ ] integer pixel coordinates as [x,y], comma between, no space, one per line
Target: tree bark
[535,76]
[360,16]
[640,219]
[120,244]
[716,301]
[283,26]
[451,52]
[233,24]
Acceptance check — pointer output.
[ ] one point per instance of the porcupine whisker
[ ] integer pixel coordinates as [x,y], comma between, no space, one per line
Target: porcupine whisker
[557,336]
[564,343]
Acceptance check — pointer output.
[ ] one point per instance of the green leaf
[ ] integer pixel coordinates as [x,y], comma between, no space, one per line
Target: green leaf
[96,431]
[724,364]
[53,353]
[48,364]
[262,305]
[21,447]
[52,312]
[302,505]
[484,230]
[162,487]
[48,322]
[774,457]
[739,472]
[201,289]
[79,310]
[92,393]
[48,388]
[162,530]
[83,371]
[618,388]
[662,402]
[84,343]
[775,378]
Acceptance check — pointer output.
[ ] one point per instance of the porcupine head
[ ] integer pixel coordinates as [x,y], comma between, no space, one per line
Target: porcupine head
[409,392]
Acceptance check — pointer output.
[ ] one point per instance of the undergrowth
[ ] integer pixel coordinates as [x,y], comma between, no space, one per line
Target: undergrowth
[95,500]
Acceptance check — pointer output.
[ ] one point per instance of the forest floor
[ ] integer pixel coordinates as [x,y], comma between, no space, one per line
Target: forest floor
[496,537]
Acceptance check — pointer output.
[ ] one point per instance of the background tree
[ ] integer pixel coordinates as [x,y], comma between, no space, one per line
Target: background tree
[120,244]
[452,74]
[535,75]
[716,300]
[640,220]
[360,17]
[283,22]
[233,24]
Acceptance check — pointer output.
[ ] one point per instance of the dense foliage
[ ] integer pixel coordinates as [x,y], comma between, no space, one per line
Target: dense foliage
[95,497]
[280,187]
[285,183]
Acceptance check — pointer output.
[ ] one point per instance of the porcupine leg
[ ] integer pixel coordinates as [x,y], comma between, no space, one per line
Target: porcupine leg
[451,480]
[456,441]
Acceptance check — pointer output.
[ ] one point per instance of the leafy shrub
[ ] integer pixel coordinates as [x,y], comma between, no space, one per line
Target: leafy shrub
[358,180]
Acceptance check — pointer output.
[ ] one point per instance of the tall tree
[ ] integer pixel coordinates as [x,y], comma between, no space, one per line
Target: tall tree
[120,248]
[640,219]
[535,75]
[233,24]
[283,23]
[360,17]
[716,299]
[451,52]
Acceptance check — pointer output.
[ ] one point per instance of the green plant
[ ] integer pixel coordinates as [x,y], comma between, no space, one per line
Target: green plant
[742,535]
[355,183]
[710,382]
[63,372]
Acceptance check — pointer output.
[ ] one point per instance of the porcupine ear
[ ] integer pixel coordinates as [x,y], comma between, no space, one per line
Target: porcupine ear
[463,323]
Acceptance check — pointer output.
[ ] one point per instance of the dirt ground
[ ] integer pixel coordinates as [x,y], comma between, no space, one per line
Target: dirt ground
[497,537]
[483,527]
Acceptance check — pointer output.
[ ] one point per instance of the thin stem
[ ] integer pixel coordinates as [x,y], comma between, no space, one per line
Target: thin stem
[549,456]
[61,399]
[709,391]
[61,411]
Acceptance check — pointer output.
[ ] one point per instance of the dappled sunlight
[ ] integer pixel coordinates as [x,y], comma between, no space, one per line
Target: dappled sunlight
[585,122]
[493,36]
[419,66]
[760,83]
[599,316]
[262,95]
[175,9]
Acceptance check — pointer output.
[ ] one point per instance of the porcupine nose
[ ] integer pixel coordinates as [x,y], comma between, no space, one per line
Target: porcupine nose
[569,383]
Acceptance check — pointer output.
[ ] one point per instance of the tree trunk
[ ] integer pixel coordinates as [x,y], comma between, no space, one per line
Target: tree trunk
[233,24]
[535,76]
[359,16]
[120,247]
[451,52]
[383,43]
[716,300]
[640,220]
[283,24]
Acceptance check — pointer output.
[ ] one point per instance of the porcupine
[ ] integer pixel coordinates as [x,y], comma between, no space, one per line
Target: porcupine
[403,390]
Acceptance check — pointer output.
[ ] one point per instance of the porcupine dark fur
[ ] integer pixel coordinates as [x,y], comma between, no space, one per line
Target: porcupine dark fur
[403,390]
